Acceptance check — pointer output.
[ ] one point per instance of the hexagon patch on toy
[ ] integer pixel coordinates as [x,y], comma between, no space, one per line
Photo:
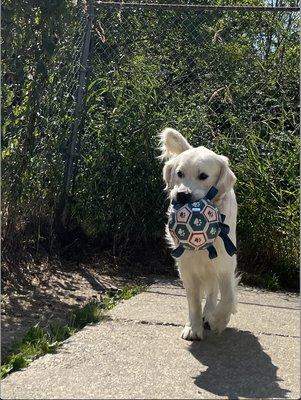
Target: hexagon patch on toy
[182,232]
[197,205]
[183,215]
[210,213]
[197,239]
[212,230]
[196,225]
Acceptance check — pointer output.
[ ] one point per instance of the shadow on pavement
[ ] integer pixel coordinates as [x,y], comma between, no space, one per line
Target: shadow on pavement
[237,366]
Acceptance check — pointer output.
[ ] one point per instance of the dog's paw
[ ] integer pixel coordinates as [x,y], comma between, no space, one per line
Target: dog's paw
[189,333]
[219,321]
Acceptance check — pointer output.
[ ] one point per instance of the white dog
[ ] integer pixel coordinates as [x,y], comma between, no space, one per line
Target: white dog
[193,171]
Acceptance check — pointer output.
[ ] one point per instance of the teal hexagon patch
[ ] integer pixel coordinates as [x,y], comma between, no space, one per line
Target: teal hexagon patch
[197,205]
[182,232]
[198,222]
[212,230]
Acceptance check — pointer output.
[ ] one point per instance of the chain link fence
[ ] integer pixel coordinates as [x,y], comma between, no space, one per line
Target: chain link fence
[226,77]
[40,69]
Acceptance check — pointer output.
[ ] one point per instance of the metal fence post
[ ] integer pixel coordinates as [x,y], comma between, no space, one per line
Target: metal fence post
[63,206]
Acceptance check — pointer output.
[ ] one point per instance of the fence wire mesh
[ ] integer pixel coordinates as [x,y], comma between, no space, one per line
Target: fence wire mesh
[217,76]
[41,61]
[227,79]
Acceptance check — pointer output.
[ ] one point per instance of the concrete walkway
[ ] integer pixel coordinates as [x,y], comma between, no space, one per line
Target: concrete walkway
[136,353]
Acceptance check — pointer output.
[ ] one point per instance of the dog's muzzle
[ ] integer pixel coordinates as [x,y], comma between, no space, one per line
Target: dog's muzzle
[183,195]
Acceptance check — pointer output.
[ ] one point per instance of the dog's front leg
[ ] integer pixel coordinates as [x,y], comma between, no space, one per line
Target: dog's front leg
[193,330]
[228,302]
[211,302]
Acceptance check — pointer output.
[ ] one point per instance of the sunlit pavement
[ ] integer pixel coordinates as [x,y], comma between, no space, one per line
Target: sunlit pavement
[137,353]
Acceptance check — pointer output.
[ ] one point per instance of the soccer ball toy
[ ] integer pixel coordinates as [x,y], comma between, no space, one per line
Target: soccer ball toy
[196,225]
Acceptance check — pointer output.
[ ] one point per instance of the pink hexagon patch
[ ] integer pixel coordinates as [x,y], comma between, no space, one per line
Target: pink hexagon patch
[197,239]
[183,214]
[210,214]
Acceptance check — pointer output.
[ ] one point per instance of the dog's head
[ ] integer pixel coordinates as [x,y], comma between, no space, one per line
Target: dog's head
[190,172]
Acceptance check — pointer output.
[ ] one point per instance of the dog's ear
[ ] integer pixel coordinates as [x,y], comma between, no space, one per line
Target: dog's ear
[172,143]
[226,179]
[167,170]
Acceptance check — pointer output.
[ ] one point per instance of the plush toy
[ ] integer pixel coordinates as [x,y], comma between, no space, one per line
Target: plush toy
[196,225]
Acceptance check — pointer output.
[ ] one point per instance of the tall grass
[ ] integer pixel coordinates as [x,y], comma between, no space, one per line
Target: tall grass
[228,81]
[268,199]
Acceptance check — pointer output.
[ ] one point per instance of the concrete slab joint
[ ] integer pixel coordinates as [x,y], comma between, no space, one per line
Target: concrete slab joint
[136,353]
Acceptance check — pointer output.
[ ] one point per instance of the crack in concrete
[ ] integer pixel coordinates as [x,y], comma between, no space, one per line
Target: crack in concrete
[157,323]
[239,302]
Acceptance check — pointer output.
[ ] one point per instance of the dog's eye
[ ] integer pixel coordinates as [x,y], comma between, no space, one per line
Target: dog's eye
[203,176]
[180,174]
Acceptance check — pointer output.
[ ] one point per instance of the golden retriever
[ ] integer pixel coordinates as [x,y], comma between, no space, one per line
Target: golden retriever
[193,171]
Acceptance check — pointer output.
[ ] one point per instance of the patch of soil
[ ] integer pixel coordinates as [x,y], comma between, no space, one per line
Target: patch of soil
[47,291]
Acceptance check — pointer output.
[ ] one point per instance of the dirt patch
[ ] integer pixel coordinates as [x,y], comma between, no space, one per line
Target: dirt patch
[48,291]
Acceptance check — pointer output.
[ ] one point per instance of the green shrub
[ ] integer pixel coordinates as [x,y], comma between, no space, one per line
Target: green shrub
[268,196]
[226,80]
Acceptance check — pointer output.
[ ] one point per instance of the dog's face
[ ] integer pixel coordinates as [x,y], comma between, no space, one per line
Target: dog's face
[190,172]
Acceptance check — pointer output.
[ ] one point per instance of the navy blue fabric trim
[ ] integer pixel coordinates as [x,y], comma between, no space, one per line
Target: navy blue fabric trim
[212,252]
[177,204]
[178,251]
[229,245]
[212,193]
[224,228]
[223,217]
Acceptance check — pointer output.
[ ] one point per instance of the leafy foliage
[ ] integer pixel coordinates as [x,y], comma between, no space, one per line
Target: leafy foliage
[41,60]
[226,80]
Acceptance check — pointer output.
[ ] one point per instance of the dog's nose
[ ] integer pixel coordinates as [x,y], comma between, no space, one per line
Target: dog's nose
[183,197]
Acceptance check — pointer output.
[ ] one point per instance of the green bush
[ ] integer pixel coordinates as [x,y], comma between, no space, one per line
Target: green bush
[271,198]
[226,80]
[268,199]
[231,95]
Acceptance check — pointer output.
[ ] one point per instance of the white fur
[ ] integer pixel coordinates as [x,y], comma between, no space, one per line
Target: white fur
[201,276]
